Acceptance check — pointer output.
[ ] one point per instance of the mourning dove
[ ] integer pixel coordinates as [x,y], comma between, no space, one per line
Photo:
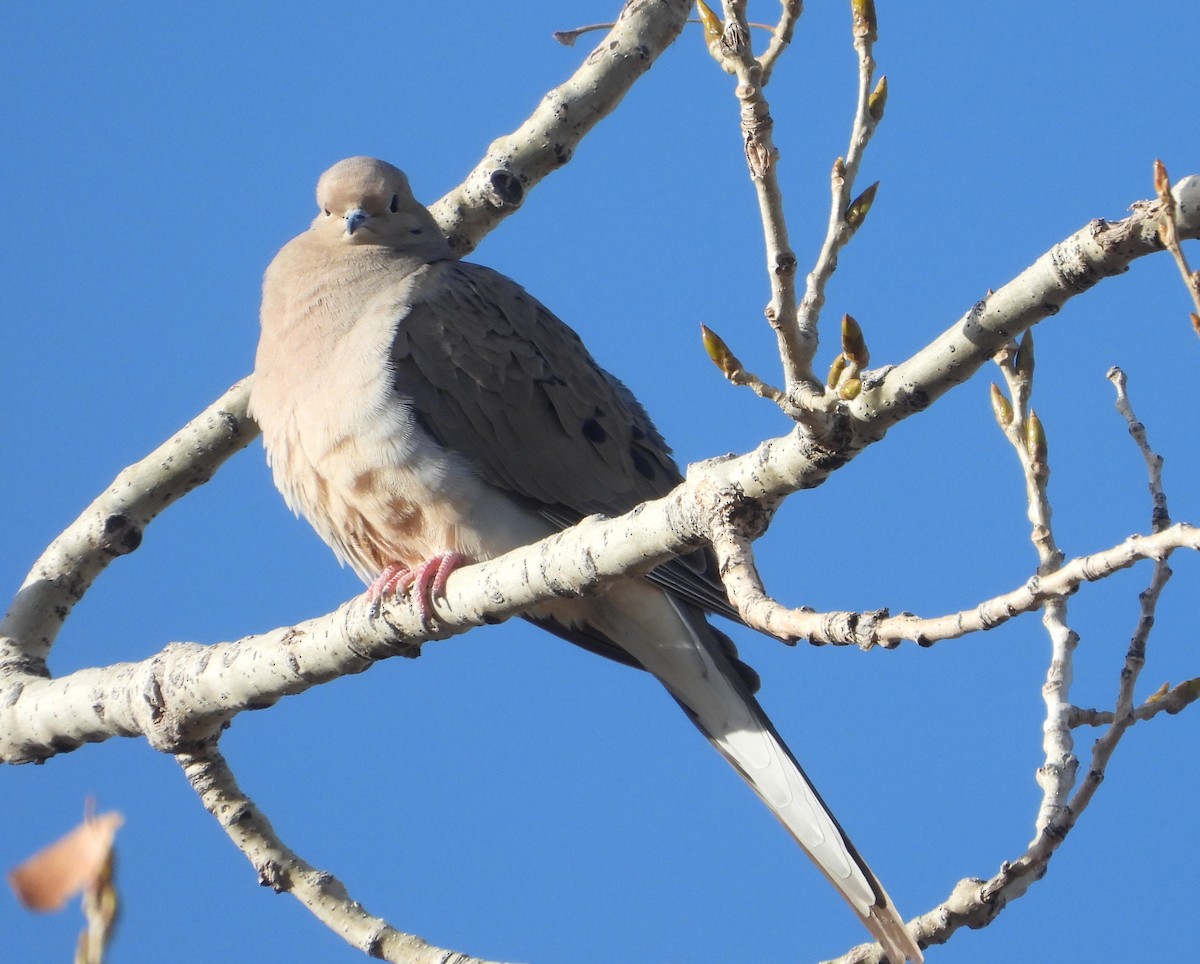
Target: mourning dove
[421,411]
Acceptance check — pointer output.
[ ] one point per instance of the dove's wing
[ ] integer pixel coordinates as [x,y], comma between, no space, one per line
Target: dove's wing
[493,374]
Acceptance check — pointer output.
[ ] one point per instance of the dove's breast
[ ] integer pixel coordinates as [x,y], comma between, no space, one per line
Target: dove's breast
[345,447]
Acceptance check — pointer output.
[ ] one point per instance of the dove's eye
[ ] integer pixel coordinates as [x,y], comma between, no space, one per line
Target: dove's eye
[395,205]
[328,213]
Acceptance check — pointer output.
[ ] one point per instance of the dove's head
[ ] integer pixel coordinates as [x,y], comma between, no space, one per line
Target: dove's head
[367,201]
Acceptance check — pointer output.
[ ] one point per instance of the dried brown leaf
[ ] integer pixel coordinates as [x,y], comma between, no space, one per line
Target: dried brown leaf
[53,875]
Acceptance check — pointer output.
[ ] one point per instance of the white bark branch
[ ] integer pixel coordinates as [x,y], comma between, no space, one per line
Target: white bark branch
[733,51]
[1123,716]
[781,37]
[878,628]
[284,871]
[181,696]
[113,525]
[184,695]
[839,228]
[1071,267]
[1027,436]
[975,903]
[516,162]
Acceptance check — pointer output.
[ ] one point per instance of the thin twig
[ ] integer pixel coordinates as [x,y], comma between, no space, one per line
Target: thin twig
[781,37]
[1123,716]
[729,44]
[1168,230]
[113,524]
[732,368]
[284,871]
[1168,699]
[1160,516]
[877,628]
[1027,436]
[839,229]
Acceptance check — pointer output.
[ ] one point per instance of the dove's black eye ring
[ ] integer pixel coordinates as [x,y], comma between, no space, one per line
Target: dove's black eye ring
[395,205]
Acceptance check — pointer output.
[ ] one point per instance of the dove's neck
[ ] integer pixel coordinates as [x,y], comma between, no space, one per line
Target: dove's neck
[320,292]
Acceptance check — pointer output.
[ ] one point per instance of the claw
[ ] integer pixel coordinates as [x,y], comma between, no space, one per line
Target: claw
[425,584]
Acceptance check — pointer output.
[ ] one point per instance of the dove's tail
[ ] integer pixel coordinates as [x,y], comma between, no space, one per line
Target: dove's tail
[699,673]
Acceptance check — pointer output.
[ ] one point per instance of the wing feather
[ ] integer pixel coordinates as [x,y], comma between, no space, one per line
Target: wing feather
[493,374]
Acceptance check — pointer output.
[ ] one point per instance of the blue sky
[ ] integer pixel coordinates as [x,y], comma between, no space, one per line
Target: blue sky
[509,795]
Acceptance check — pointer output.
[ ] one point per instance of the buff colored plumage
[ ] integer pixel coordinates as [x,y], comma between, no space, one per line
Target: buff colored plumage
[417,407]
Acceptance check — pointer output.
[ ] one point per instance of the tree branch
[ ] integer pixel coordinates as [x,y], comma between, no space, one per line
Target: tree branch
[781,38]
[516,162]
[283,870]
[179,697]
[1073,266]
[879,628]
[1168,699]
[975,903]
[184,695]
[843,219]
[113,524]
[729,44]
[1027,436]
[1168,230]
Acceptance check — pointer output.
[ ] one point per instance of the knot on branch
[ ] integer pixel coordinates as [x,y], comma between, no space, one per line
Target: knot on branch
[119,535]
[735,40]
[504,189]
[733,508]
[760,149]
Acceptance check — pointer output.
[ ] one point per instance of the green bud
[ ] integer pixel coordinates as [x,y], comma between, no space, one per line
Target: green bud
[835,371]
[1035,438]
[854,345]
[1001,407]
[719,352]
[878,100]
[712,23]
[857,211]
[865,24]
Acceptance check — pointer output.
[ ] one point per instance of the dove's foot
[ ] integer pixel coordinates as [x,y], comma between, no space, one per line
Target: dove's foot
[425,584]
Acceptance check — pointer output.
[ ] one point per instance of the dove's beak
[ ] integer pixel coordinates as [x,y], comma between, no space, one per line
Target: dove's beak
[354,219]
